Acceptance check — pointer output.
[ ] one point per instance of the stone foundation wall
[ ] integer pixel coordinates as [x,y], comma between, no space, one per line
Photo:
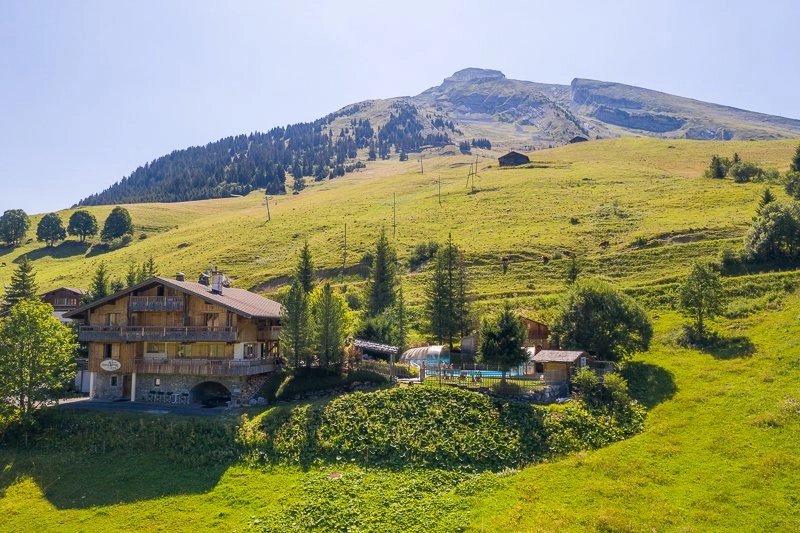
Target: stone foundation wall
[242,388]
[103,389]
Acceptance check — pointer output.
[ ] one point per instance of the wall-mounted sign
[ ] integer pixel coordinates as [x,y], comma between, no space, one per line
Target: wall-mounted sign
[110,365]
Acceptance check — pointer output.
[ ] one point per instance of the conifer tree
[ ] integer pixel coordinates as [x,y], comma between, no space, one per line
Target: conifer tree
[304,272]
[573,271]
[794,166]
[329,312]
[766,198]
[382,282]
[148,270]
[446,294]
[295,335]
[23,285]
[100,283]
[132,276]
[501,341]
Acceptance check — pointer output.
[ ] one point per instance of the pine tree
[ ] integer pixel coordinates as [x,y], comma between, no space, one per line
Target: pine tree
[148,270]
[462,297]
[329,310]
[766,198]
[100,283]
[304,272]
[400,320]
[501,341]
[383,277]
[132,276]
[295,335]
[23,285]
[794,166]
[116,285]
[446,294]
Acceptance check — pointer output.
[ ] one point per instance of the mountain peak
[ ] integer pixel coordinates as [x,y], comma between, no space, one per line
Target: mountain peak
[475,74]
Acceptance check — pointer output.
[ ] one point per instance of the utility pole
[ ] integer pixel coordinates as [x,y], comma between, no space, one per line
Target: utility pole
[421,168]
[394,216]
[344,255]
[440,189]
[269,217]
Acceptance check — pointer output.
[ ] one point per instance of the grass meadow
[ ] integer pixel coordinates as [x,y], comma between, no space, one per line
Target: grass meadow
[722,439]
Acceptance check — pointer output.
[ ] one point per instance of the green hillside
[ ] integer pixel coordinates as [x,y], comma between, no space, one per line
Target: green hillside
[646,199]
[720,445]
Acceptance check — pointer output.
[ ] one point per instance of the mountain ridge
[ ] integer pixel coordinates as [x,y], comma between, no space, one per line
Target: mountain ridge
[472,103]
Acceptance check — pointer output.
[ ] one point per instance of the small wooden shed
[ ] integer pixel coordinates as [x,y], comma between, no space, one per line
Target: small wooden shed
[558,365]
[512,159]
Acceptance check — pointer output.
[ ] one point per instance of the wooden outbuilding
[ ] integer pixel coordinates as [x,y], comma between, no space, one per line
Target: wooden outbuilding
[577,139]
[558,365]
[512,159]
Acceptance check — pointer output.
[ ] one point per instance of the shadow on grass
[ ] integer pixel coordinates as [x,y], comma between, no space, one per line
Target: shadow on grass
[730,347]
[78,480]
[649,384]
[62,251]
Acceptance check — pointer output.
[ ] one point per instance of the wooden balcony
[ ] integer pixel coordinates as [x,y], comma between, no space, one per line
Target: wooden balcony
[156,333]
[272,333]
[205,367]
[155,303]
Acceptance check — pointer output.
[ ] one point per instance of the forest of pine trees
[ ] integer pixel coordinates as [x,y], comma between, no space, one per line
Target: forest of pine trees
[241,164]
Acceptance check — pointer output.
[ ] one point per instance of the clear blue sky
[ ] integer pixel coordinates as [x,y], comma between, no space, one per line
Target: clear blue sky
[91,90]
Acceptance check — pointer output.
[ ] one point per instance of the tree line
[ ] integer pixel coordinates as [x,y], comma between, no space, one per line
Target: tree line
[15,223]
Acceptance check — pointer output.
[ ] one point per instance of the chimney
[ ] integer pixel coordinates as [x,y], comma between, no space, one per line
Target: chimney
[180,276]
[204,280]
[217,281]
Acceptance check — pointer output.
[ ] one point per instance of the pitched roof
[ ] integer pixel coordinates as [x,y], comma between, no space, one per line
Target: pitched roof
[239,301]
[557,356]
[70,289]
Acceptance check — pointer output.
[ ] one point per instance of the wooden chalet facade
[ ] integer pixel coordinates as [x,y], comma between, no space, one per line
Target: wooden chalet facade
[172,336]
[536,334]
[63,299]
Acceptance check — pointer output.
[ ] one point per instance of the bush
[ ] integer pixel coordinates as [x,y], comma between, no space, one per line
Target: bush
[422,252]
[318,379]
[353,300]
[744,172]
[443,428]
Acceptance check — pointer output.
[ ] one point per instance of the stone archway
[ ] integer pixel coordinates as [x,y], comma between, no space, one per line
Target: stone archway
[210,393]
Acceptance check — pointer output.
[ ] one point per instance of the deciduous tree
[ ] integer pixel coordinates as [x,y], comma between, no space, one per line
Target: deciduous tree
[50,229]
[118,224]
[701,296]
[14,224]
[596,317]
[82,224]
[37,356]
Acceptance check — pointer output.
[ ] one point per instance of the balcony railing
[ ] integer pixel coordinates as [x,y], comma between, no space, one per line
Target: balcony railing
[205,367]
[157,333]
[272,333]
[155,303]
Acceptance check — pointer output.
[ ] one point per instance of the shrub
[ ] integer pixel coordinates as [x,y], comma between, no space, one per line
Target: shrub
[443,428]
[422,252]
[744,172]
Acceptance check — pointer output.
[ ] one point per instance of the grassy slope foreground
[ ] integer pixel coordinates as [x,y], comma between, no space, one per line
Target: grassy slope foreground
[721,444]
[719,451]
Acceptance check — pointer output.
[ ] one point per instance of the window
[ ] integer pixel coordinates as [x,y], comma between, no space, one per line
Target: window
[216,350]
[112,319]
[155,347]
[184,350]
[249,351]
[157,382]
[107,351]
[211,319]
[114,381]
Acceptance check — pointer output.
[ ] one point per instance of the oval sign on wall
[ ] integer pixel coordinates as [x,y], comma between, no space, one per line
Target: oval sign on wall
[110,365]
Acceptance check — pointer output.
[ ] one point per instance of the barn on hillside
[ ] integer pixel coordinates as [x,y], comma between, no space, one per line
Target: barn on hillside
[512,159]
[578,139]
